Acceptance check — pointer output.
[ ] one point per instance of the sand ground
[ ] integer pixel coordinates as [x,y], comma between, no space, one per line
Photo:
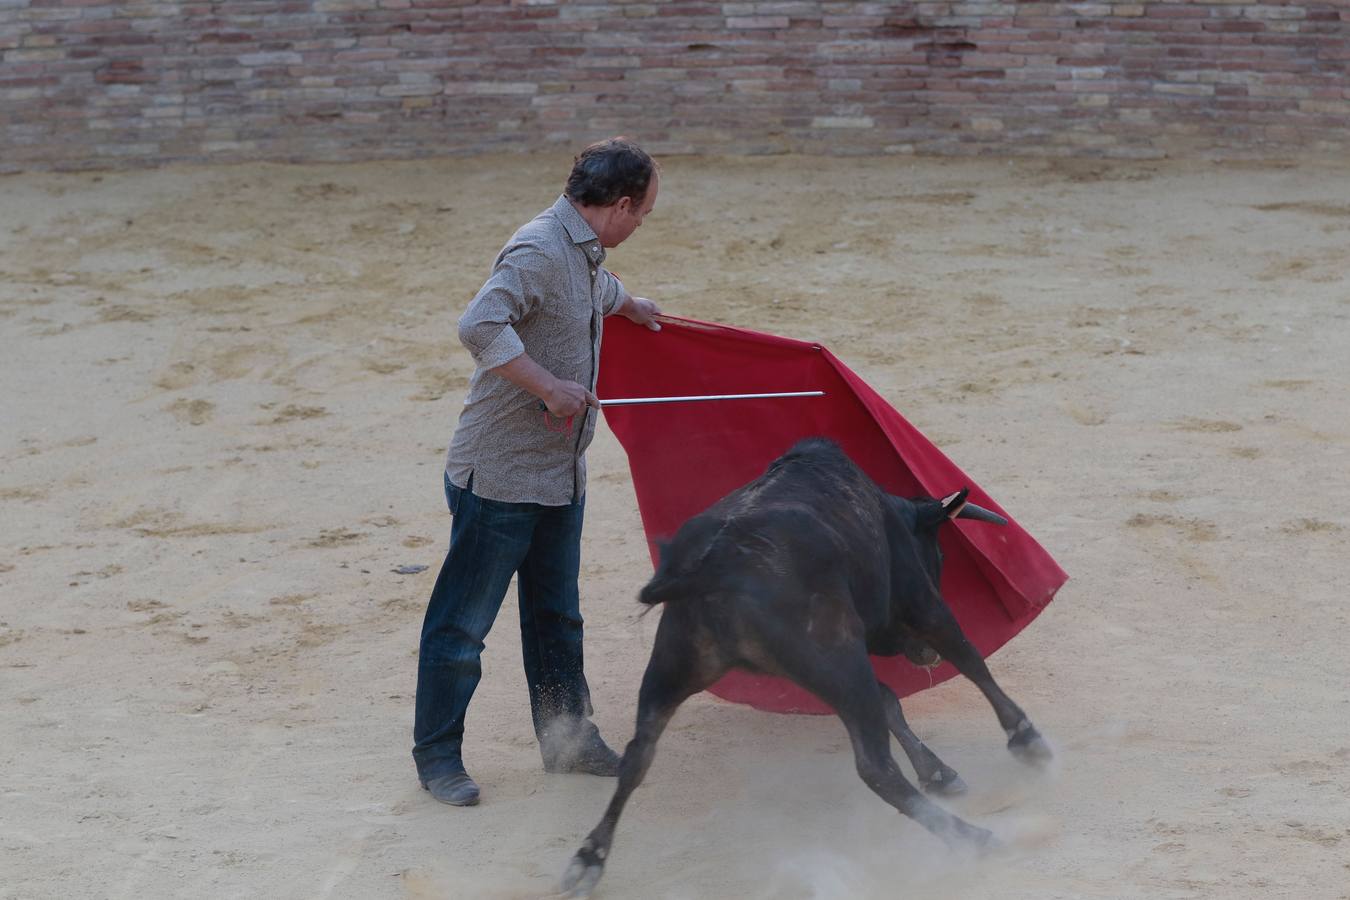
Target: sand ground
[227,392]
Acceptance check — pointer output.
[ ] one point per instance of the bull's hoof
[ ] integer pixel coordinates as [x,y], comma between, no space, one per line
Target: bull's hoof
[985,841]
[583,873]
[964,837]
[1028,746]
[944,783]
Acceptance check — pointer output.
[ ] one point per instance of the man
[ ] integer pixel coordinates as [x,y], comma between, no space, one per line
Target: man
[515,475]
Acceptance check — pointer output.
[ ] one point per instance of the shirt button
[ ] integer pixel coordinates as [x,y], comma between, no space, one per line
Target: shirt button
[592,273]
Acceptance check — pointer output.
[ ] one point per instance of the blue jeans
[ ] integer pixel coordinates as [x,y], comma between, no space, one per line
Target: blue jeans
[489,542]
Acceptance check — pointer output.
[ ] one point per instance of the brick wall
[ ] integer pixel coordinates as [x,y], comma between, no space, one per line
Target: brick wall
[85,83]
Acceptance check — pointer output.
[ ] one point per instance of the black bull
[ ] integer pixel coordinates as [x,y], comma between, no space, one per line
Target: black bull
[801,574]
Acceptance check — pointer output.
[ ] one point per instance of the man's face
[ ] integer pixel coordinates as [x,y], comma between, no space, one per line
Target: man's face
[625,216]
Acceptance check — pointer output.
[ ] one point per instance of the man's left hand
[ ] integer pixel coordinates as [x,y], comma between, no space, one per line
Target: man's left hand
[642,311]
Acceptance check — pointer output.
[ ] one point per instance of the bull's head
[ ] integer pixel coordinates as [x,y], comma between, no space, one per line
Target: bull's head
[928,515]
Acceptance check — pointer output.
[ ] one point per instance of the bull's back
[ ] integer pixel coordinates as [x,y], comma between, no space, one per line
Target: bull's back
[813,520]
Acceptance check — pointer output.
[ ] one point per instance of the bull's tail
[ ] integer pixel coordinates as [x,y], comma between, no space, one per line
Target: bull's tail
[668,583]
[662,590]
[685,560]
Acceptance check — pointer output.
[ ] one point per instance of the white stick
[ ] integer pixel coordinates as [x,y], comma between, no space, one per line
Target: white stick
[635,401]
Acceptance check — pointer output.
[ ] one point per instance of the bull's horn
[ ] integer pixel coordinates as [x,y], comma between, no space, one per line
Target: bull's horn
[971,511]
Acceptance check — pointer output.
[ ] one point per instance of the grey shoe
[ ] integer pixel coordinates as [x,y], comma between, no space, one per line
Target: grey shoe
[456,788]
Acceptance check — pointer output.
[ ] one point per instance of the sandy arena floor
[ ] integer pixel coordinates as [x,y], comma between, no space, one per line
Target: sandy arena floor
[227,392]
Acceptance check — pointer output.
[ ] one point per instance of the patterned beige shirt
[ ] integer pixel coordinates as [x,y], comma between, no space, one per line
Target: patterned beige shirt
[547,296]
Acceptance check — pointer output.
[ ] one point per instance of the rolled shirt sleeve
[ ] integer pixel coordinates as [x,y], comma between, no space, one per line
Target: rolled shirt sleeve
[509,294]
[611,293]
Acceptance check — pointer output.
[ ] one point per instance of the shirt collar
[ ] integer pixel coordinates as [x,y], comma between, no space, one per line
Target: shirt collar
[578,229]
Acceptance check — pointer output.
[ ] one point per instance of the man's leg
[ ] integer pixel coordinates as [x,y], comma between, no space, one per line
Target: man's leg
[488,540]
[551,634]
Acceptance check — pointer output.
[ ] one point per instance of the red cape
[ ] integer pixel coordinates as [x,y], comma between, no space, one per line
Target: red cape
[686,456]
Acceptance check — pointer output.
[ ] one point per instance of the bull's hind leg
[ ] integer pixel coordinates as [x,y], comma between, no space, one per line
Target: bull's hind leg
[678,669]
[935,776]
[842,677]
[942,632]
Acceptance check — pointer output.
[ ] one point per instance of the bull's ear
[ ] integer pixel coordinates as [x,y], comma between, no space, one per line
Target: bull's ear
[952,504]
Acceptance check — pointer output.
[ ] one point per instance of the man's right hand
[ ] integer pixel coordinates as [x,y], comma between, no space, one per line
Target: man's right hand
[567,398]
[560,397]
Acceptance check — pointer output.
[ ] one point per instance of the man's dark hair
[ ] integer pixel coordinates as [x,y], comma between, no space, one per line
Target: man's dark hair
[608,170]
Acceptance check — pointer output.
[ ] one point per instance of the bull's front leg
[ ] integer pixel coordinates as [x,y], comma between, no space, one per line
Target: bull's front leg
[935,776]
[944,635]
